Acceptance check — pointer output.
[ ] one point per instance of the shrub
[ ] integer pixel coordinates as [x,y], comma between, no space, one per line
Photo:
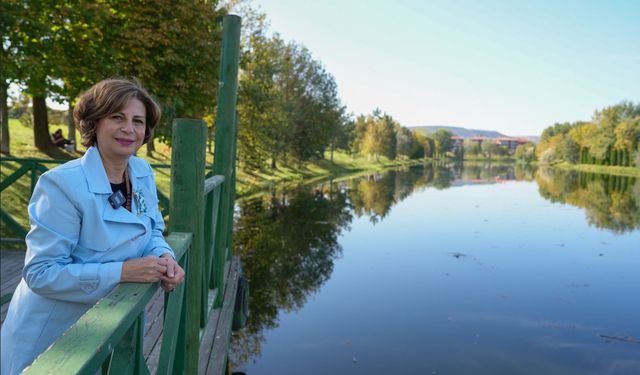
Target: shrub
[26,120]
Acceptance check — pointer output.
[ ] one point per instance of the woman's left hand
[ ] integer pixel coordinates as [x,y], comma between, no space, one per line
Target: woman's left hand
[174,275]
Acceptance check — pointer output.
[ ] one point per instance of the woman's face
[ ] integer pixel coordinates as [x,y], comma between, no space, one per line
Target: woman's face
[120,134]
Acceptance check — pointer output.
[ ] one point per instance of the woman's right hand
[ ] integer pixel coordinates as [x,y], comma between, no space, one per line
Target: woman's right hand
[143,270]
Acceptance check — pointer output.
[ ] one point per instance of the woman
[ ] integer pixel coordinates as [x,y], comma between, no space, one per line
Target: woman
[58,139]
[94,223]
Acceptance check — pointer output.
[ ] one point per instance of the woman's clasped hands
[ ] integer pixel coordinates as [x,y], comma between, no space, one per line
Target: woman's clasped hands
[151,269]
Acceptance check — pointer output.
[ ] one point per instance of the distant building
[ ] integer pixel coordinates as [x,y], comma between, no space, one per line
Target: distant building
[458,144]
[511,143]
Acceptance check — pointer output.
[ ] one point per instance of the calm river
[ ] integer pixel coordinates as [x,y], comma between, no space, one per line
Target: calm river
[444,270]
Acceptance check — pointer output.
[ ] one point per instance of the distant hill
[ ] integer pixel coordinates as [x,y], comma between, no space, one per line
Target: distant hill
[467,133]
[461,132]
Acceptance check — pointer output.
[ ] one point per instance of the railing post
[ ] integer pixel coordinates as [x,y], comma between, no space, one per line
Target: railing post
[224,154]
[34,177]
[187,215]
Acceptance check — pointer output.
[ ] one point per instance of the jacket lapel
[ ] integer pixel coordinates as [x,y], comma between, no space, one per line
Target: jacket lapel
[98,183]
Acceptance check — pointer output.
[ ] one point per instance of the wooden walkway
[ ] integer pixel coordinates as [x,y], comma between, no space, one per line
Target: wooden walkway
[12,262]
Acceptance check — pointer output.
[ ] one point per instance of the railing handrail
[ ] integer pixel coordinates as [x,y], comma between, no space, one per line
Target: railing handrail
[86,345]
[34,160]
[62,161]
[34,165]
[212,183]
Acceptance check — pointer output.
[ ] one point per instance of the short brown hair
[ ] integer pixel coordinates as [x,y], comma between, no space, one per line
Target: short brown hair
[107,97]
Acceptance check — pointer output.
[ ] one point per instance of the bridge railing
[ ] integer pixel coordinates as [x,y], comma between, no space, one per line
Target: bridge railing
[199,315]
[33,168]
[110,334]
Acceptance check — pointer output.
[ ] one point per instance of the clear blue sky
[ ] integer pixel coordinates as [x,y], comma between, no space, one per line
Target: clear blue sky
[511,66]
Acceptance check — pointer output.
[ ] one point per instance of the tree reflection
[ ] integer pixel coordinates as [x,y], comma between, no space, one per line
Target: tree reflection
[611,202]
[288,243]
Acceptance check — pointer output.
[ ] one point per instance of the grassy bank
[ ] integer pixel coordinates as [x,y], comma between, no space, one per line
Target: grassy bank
[603,169]
[15,198]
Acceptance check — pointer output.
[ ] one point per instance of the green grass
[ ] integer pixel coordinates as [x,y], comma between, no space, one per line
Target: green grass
[604,169]
[487,159]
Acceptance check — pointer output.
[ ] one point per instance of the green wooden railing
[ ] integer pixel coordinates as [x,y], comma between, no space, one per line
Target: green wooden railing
[34,167]
[199,315]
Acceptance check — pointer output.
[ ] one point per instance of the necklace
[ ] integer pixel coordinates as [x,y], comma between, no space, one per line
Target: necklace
[127,203]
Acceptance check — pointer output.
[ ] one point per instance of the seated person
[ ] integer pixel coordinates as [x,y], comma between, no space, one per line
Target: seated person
[58,139]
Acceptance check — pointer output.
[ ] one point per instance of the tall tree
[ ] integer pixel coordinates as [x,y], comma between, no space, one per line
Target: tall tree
[443,142]
[8,68]
[173,49]
[404,140]
[32,38]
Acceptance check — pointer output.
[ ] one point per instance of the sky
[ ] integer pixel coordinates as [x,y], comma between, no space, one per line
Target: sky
[516,67]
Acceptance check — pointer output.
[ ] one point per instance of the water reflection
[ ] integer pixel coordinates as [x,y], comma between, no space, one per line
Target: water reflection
[611,202]
[288,241]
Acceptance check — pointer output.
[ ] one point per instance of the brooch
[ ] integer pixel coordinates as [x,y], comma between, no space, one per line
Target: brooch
[141,205]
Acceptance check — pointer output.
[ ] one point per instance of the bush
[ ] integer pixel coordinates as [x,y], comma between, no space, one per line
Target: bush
[548,156]
[26,120]
[57,117]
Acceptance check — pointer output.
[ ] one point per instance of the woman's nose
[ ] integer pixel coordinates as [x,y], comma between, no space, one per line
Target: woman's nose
[127,126]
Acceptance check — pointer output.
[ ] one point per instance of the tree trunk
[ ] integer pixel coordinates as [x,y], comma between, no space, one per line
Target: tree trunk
[4,118]
[150,147]
[41,136]
[332,152]
[71,128]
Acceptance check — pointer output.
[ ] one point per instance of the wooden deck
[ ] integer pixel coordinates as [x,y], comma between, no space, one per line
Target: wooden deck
[12,262]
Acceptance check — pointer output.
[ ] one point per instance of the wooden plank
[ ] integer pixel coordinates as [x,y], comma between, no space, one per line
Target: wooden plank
[154,357]
[10,275]
[10,281]
[217,364]
[154,331]
[207,334]
[153,322]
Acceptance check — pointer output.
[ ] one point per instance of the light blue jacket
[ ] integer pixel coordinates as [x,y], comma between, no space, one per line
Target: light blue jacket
[75,251]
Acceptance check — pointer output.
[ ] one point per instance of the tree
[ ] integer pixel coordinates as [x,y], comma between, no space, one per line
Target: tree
[314,110]
[557,128]
[173,48]
[358,134]
[404,142]
[83,53]
[443,141]
[31,41]
[570,150]
[9,14]
[63,47]
[525,152]
[627,137]
[260,104]
[471,147]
